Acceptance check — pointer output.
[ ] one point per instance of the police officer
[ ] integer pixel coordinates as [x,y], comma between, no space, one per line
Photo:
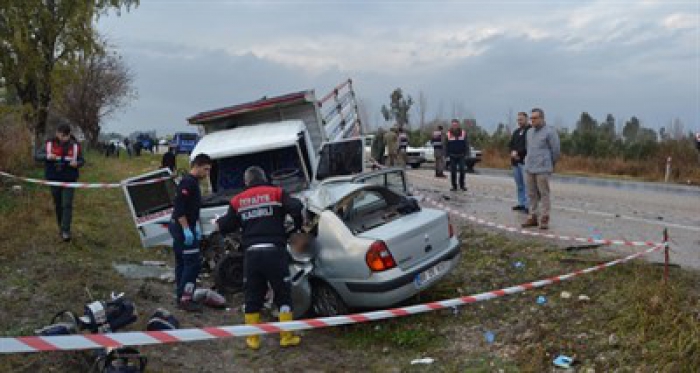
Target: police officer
[403,147]
[61,163]
[439,142]
[184,227]
[260,211]
[457,150]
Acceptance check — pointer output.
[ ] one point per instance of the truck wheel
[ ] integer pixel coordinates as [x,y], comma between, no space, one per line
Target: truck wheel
[325,301]
[228,273]
[415,165]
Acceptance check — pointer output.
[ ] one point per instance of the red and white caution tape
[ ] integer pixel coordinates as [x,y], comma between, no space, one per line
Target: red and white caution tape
[512,229]
[84,185]
[96,341]
[504,227]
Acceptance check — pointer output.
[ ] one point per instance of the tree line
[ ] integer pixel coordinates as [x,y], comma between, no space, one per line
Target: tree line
[590,138]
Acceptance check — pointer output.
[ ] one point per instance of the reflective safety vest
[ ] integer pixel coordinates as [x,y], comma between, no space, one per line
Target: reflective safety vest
[457,146]
[60,169]
[403,141]
[437,139]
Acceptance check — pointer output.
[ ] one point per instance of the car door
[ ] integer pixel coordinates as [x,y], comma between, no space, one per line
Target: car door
[151,206]
[340,158]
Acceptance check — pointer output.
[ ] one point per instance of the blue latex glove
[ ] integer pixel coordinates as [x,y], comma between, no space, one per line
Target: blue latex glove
[198,233]
[189,237]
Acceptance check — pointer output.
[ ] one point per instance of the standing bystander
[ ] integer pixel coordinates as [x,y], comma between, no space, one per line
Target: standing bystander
[518,151]
[542,155]
[439,142]
[457,150]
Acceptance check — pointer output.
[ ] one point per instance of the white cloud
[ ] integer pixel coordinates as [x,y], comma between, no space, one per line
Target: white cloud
[681,21]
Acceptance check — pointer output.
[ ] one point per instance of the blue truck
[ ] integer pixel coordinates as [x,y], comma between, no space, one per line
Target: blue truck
[184,142]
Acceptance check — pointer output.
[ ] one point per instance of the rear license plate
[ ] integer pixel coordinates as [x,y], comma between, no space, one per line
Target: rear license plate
[429,274]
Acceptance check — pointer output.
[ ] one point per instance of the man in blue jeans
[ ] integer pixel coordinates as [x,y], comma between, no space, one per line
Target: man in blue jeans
[184,227]
[518,151]
[457,150]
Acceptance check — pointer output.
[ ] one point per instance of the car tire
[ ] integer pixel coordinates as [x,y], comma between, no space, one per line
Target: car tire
[470,167]
[415,165]
[228,273]
[325,301]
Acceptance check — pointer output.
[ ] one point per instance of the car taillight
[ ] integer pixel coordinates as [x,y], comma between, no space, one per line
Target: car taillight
[451,230]
[379,258]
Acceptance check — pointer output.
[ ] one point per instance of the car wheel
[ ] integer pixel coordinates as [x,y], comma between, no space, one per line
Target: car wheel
[470,167]
[415,165]
[228,273]
[325,301]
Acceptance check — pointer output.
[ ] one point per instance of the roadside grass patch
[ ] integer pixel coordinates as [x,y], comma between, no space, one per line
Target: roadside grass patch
[628,320]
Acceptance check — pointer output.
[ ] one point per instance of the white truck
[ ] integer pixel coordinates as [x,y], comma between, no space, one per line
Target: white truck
[296,138]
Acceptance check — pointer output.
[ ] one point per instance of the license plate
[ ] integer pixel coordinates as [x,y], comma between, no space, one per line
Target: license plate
[429,274]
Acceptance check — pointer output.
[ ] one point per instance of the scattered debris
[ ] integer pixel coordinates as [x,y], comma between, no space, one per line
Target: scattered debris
[583,247]
[489,336]
[584,298]
[541,299]
[613,340]
[565,295]
[518,264]
[140,271]
[563,362]
[426,360]
[155,263]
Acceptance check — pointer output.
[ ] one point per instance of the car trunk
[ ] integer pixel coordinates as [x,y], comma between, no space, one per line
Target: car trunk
[414,237]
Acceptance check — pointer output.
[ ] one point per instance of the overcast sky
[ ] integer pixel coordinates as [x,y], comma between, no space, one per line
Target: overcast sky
[478,58]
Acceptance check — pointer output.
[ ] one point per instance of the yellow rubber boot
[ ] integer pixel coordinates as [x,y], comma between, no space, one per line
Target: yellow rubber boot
[288,339]
[252,341]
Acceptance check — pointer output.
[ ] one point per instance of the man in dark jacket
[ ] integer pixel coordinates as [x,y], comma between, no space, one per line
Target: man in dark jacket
[62,161]
[259,211]
[184,228]
[457,150]
[518,150]
[169,159]
[378,147]
[439,143]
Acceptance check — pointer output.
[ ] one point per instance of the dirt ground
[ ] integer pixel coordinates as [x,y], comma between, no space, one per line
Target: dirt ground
[621,319]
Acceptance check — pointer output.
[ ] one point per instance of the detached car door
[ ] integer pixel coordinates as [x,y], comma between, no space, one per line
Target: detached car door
[340,158]
[151,206]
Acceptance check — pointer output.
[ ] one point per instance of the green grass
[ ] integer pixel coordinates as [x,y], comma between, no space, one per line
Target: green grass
[656,327]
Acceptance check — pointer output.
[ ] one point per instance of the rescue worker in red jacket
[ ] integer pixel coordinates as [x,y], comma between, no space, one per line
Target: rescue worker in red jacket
[61,163]
[260,211]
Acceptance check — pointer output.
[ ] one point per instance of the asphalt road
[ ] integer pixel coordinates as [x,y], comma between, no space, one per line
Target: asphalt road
[588,207]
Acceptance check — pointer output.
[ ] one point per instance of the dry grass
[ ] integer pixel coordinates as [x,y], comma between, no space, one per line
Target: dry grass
[685,169]
[15,152]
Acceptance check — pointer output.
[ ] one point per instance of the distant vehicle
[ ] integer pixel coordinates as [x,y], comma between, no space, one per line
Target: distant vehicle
[146,141]
[429,154]
[184,142]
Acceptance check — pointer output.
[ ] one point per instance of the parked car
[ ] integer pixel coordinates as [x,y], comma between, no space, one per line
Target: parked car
[415,157]
[472,160]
